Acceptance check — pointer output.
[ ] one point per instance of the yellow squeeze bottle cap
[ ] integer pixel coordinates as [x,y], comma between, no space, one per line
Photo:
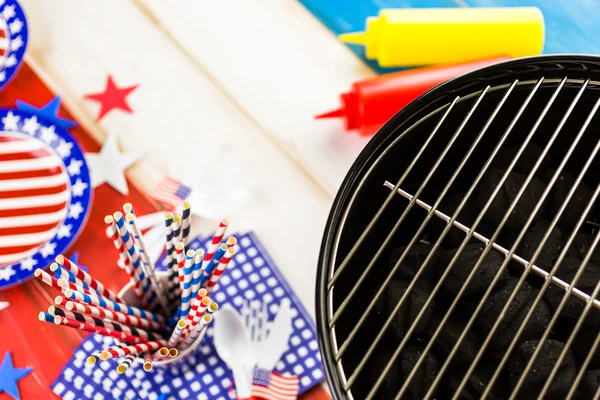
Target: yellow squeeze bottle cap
[369,38]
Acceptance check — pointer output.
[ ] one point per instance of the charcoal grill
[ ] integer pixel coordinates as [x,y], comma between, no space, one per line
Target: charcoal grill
[458,260]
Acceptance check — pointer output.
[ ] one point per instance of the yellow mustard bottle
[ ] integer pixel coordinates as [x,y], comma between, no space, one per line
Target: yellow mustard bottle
[425,36]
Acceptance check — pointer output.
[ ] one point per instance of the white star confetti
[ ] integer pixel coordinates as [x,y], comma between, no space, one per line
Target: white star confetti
[6,272]
[28,263]
[74,167]
[48,249]
[79,187]
[31,125]
[10,122]
[48,134]
[75,210]
[64,148]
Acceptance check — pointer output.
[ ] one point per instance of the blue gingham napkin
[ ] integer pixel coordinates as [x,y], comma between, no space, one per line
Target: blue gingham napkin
[203,375]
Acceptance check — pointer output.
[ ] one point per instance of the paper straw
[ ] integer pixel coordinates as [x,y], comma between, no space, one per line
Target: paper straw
[160,354]
[86,278]
[186,292]
[126,363]
[197,330]
[46,278]
[200,295]
[60,272]
[212,264]
[46,317]
[186,222]
[65,284]
[231,241]
[216,242]
[115,326]
[180,259]
[87,327]
[181,324]
[195,315]
[94,358]
[197,271]
[60,300]
[173,352]
[112,231]
[114,315]
[112,305]
[147,362]
[121,351]
[212,307]
[216,275]
[176,230]
[139,240]
[133,254]
[169,251]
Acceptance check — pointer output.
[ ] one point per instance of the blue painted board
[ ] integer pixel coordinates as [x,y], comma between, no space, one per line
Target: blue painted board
[572,26]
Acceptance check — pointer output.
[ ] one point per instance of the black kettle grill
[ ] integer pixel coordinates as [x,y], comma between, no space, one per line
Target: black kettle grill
[460,258]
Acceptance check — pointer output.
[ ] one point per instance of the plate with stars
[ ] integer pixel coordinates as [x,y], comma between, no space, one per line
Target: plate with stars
[13,39]
[45,193]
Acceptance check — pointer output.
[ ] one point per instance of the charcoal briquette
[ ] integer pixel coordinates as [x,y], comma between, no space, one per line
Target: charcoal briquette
[424,376]
[525,163]
[465,263]
[589,384]
[532,240]
[581,245]
[449,335]
[514,315]
[377,363]
[476,383]
[576,204]
[413,261]
[541,369]
[583,343]
[507,194]
[411,307]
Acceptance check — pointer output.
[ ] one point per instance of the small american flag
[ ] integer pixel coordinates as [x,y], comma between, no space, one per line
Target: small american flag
[273,386]
[170,192]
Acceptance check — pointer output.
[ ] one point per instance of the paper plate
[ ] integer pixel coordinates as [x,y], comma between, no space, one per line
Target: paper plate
[13,39]
[45,193]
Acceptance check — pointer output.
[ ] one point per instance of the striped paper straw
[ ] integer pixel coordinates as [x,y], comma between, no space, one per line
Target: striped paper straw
[60,272]
[173,352]
[160,354]
[46,278]
[87,327]
[197,271]
[121,351]
[186,287]
[212,307]
[176,228]
[86,278]
[169,251]
[65,284]
[46,317]
[231,241]
[216,275]
[212,264]
[94,358]
[181,324]
[126,363]
[114,315]
[113,305]
[156,285]
[112,231]
[133,254]
[60,300]
[200,295]
[115,326]
[196,316]
[197,330]
[180,259]
[186,222]
[147,362]
[216,242]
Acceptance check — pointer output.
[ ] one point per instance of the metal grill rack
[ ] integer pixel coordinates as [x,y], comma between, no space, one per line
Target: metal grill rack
[396,197]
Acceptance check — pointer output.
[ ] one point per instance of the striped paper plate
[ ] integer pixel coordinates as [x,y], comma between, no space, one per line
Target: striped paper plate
[45,193]
[13,39]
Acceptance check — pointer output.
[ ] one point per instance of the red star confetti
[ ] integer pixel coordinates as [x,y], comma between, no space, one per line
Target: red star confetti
[113,97]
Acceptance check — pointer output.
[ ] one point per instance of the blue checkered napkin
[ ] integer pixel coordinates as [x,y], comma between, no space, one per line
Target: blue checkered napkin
[203,375]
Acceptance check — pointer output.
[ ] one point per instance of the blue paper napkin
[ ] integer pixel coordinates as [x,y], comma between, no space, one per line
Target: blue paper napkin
[203,375]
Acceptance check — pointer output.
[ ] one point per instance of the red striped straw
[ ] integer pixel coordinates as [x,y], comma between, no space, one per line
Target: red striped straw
[114,315]
[139,241]
[186,292]
[112,231]
[197,330]
[186,222]
[181,324]
[86,278]
[200,295]
[63,273]
[231,241]
[199,313]
[121,351]
[147,362]
[65,284]
[113,305]
[87,327]
[218,271]
[217,239]
[160,354]
[46,278]
[115,326]
[180,257]
[61,301]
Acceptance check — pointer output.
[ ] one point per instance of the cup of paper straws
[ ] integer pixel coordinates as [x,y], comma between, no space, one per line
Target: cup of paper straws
[158,317]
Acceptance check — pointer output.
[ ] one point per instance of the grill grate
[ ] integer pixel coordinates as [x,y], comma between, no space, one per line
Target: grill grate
[460,145]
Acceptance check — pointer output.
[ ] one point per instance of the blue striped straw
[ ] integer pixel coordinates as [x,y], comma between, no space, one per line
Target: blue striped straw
[60,272]
[197,272]
[212,264]
[44,316]
[186,293]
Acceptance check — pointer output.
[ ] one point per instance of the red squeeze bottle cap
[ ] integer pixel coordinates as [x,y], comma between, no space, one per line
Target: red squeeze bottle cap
[372,102]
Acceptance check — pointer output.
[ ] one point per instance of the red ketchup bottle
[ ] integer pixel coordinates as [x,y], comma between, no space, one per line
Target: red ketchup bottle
[372,102]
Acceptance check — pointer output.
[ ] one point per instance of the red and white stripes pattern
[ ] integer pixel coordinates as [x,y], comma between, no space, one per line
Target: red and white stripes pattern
[114,315]
[216,242]
[112,232]
[120,351]
[34,195]
[216,275]
[4,39]
[86,278]
[84,326]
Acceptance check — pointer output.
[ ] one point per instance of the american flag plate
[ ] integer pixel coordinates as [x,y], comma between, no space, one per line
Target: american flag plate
[13,39]
[45,193]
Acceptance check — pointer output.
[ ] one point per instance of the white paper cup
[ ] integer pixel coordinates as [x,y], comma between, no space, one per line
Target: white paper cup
[128,295]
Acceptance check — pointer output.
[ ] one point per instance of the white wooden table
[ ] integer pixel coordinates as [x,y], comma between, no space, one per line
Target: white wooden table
[241,74]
